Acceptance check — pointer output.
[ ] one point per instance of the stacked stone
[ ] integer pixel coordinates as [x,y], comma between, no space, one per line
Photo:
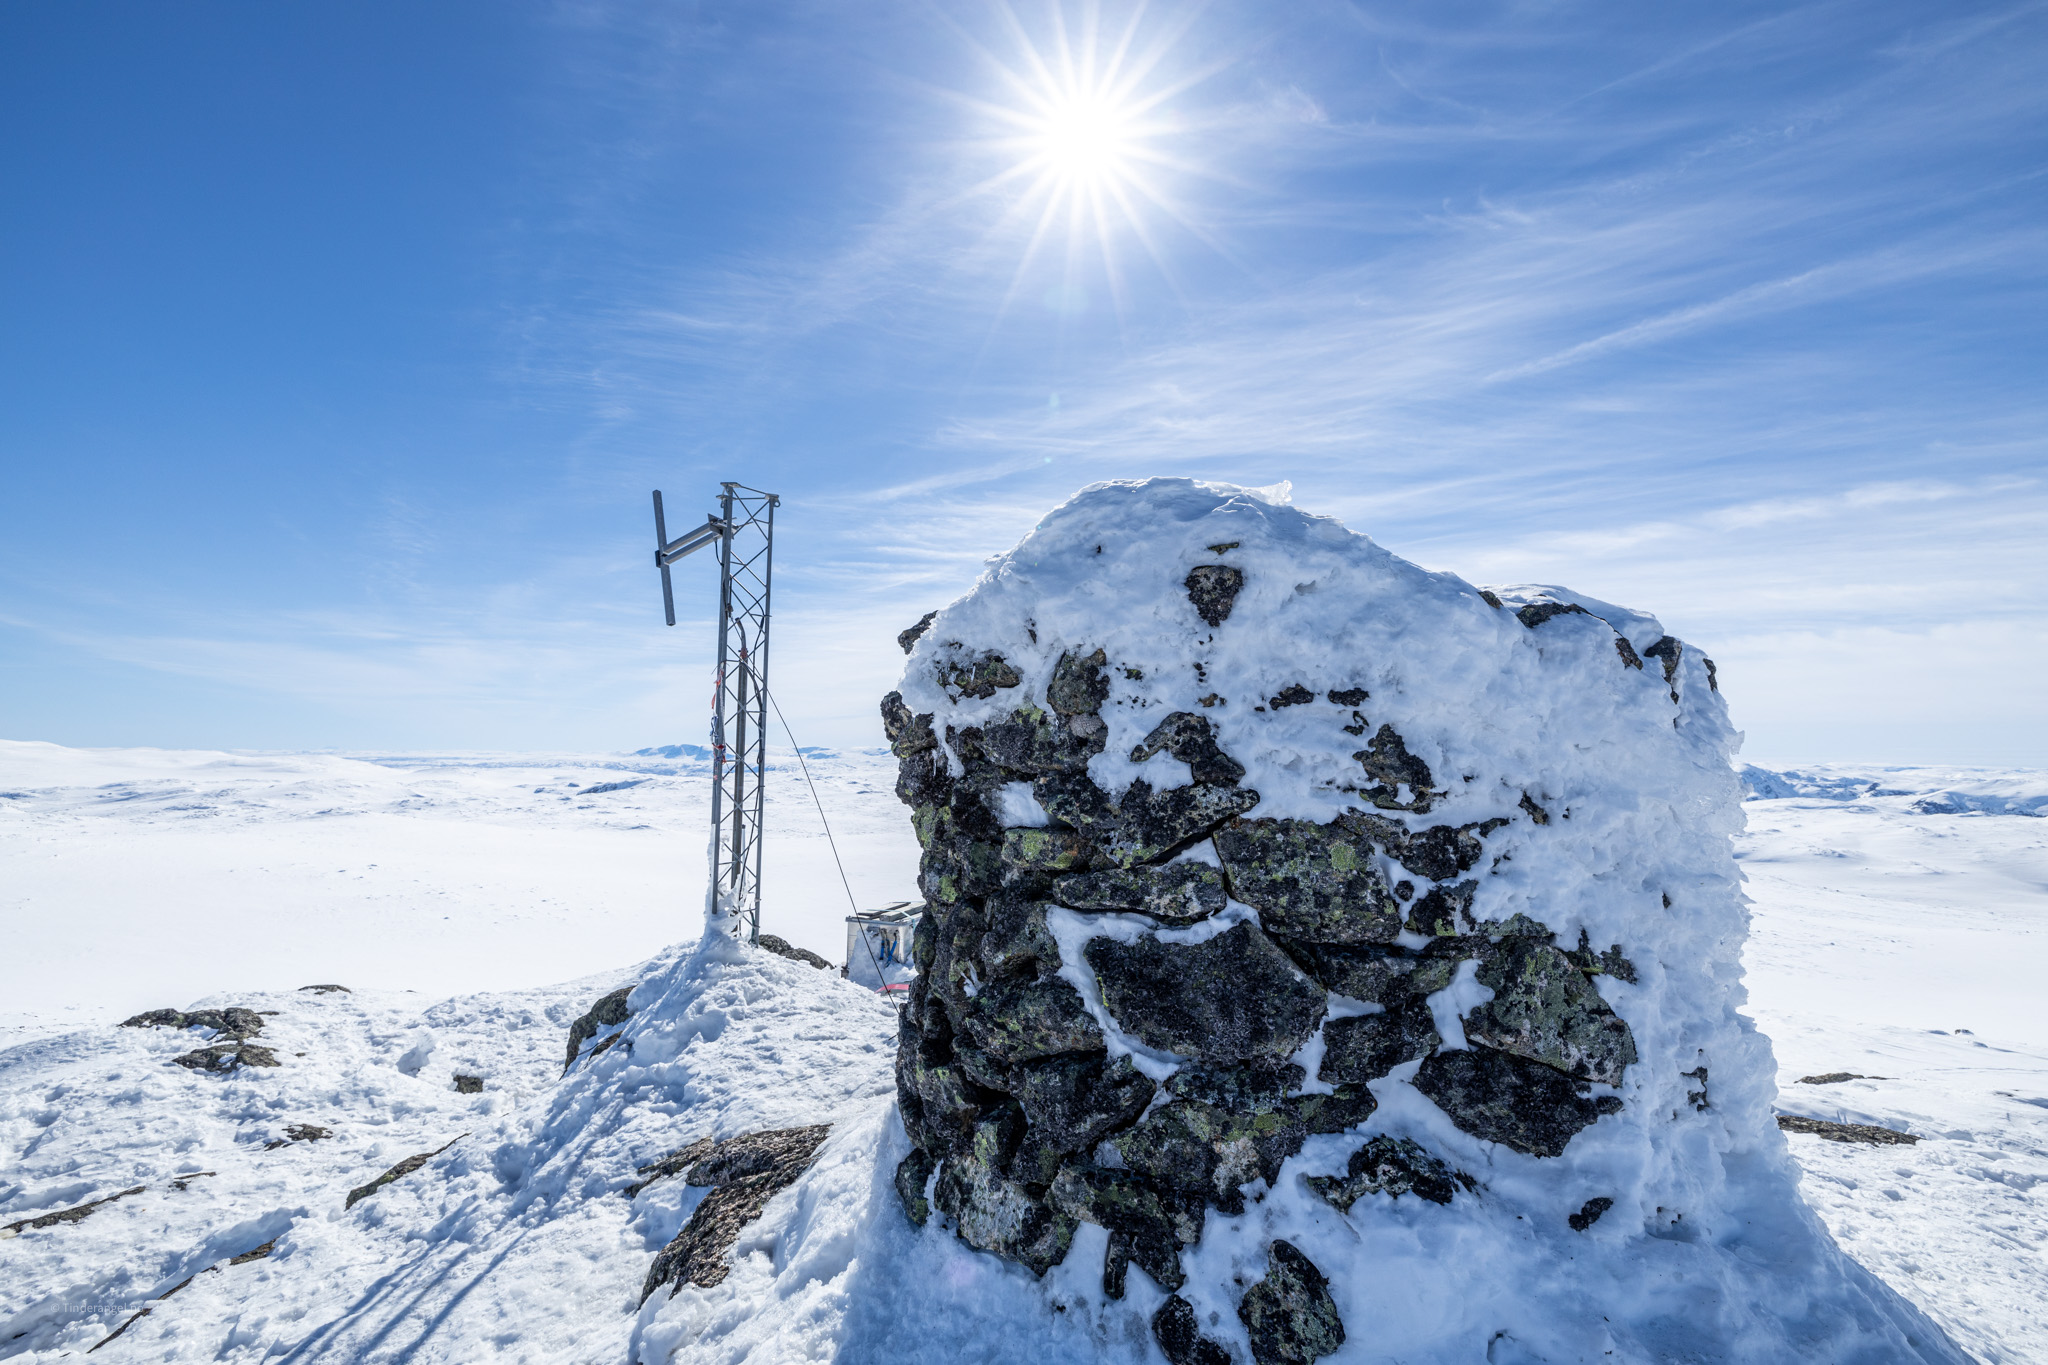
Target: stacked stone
[1005,1078]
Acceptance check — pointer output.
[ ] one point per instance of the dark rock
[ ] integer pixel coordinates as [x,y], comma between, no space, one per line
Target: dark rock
[907,639]
[1502,1098]
[1610,963]
[907,734]
[1151,825]
[254,1253]
[1387,760]
[1030,741]
[226,1057]
[1837,1077]
[70,1215]
[978,679]
[1018,942]
[1179,893]
[1310,881]
[1536,813]
[1290,1315]
[1021,1020]
[742,1158]
[1365,972]
[744,1173]
[398,1172]
[1202,1150]
[995,1213]
[1213,588]
[1233,998]
[1293,695]
[298,1132]
[1845,1132]
[1178,1335]
[468,1085]
[1191,739]
[609,1012]
[1393,1166]
[1073,1102]
[1544,1009]
[782,947]
[1589,1213]
[232,1022]
[1078,686]
[1438,853]
[675,1163]
[1365,1047]
[1439,913]
[913,1173]
[1074,800]
[328,989]
[1536,613]
[1147,1225]
[1669,652]
[1256,1087]
[1627,652]
[1489,599]
[1347,1107]
[1349,696]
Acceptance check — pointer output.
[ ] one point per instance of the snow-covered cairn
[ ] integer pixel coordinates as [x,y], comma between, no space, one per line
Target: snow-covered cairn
[1311,922]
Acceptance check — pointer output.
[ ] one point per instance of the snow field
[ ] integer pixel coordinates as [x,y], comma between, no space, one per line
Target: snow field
[514,1245]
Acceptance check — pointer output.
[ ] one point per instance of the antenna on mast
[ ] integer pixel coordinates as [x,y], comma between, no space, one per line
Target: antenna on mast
[744,530]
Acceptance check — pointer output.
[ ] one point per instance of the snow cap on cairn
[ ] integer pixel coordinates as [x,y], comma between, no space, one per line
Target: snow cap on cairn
[1270,876]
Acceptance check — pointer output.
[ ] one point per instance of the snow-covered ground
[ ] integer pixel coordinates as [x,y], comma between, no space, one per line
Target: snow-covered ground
[454,893]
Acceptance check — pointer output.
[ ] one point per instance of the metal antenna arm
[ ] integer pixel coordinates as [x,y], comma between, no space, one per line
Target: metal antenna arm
[667,552]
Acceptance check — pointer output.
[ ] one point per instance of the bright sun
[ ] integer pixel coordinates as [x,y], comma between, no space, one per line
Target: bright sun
[1085,133]
[1087,138]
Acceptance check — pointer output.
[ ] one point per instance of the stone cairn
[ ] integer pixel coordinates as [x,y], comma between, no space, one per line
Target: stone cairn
[1004,1077]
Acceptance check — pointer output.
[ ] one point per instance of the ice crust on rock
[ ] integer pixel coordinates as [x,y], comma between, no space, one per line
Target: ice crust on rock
[1475,865]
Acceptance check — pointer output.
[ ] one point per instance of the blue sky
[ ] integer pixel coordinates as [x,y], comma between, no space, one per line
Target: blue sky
[343,343]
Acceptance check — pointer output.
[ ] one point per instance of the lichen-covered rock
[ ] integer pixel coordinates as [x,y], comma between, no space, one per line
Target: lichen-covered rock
[1290,1315]
[1213,589]
[1178,893]
[1147,1225]
[995,1213]
[1020,1020]
[1206,1151]
[1543,1008]
[1316,882]
[913,1174]
[1393,1166]
[1365,1047]
[1152,824]
[1387,760]
[1191,739]
[1073,1102]
[1078,686]
[1503,1098]
[1232,998]
[1034,849]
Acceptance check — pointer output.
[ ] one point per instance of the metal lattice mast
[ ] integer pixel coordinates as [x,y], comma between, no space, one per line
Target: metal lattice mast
[744,528]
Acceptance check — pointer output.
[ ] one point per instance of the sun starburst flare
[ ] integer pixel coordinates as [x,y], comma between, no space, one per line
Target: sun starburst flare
[1086,130]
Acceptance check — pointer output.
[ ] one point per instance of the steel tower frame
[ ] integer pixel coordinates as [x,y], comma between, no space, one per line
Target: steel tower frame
[744,527]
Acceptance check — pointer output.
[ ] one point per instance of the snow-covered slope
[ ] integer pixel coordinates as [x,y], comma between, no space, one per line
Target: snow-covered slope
[1956,1223]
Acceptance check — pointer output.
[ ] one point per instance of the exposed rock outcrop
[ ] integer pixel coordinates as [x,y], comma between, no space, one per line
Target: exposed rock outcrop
[744,1173]
[610,1011]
